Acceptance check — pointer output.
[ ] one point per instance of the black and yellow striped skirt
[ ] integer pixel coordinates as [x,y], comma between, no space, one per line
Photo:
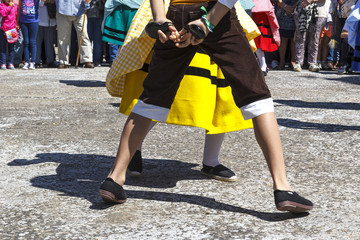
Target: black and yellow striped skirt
[204,98]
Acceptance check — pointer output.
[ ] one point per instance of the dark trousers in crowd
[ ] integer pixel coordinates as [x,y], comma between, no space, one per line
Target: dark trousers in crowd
[46,35]
[94,32]
[5,48]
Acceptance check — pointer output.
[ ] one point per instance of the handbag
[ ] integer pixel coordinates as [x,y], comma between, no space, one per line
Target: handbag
[12,35]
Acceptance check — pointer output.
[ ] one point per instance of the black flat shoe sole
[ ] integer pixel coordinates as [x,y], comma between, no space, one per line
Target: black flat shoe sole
[293,207]
[110,197]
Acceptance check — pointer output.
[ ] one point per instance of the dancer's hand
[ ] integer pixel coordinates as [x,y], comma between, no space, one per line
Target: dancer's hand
[184,39]
[201,24]
[172,34]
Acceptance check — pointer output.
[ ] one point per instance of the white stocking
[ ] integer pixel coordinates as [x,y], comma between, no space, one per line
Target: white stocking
[212,148]
[261,56]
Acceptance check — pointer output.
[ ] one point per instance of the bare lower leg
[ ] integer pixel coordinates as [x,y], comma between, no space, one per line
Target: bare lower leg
[292,52]
[325,50]
[268,137]
[133,133]
[320,49]
[282,50]
[152,124]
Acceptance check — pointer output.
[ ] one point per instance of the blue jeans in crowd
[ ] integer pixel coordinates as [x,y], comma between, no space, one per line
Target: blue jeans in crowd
[94,32]
[113,48]
[4,45]
[29,31]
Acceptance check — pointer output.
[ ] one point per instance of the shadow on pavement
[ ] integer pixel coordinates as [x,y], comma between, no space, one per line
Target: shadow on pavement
[83,83]
[324,105]
[80,175]
[290,123]
[353,79]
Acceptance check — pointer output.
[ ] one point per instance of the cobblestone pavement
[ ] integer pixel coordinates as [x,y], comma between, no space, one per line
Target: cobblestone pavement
[59,132]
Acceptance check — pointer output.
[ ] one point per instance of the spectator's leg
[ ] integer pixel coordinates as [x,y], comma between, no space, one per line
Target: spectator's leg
[3,44]
[85,48]
[11,51]
[33,29]
[49,47]
[64,35]
[282,51]
[314,35]
[300,38]
[97,42]
[25,31]
[39,40]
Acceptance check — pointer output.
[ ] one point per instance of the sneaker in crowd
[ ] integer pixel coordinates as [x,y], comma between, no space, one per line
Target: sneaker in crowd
[342,69]
[297,68]
[135,167]
[3,66]
[314,67]
[88,65]
[112,192]
[292,202]
[97,65]
[32,66]
[26,66]
[220,172]
[11,67]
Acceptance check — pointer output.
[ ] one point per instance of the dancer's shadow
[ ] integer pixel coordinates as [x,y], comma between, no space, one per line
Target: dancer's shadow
[80,175]
[321,105]
[324,127]
[83,83]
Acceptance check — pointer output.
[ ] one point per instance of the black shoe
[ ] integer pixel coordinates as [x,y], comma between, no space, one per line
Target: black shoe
[220,172]
[291,201]
[135,166]
[112,192]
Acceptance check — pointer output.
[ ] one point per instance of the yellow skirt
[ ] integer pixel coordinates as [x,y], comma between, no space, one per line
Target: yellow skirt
[204,98]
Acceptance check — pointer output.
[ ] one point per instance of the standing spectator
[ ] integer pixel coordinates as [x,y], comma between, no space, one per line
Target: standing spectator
[308,25]
[263,15]
[71,12]
[46,33]
[19,48]
[323,19]
[345,7]
[8,13]
[284,13]
[325,36]
[29,23]
[95,15]
[118,15]
[353,26]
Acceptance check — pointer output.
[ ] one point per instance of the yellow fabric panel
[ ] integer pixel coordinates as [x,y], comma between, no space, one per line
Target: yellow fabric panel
[198,102]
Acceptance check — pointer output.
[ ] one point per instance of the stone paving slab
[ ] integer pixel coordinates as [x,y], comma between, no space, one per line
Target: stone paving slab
[59,132]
